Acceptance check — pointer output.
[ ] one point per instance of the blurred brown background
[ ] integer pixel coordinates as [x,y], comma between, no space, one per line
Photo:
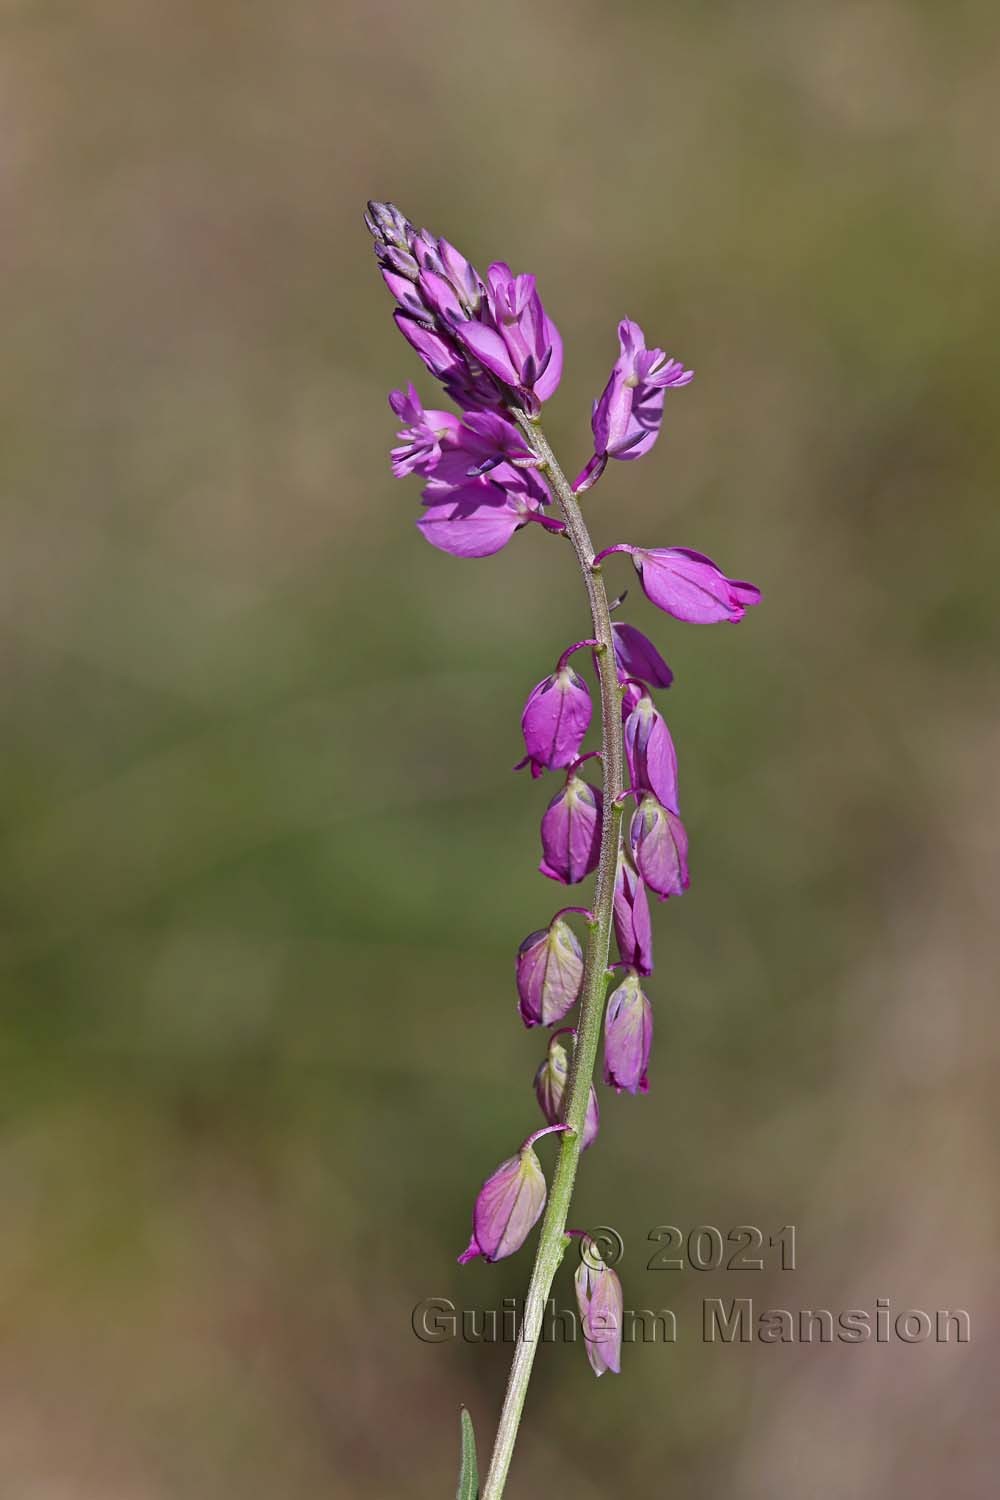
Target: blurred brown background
[264,863]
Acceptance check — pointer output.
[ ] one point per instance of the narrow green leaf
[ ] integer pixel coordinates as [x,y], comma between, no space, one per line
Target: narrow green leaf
[468,1477]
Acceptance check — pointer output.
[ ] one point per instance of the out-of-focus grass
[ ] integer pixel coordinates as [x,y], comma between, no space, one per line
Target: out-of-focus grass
[264,863]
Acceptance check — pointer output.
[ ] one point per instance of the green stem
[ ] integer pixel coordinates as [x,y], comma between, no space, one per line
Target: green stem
[551,1243]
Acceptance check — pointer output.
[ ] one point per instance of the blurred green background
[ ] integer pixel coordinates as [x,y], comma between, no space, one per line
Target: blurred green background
[265,865]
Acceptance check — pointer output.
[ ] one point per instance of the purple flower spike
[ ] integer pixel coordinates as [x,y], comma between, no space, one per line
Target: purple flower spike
[555,719]
[659,848]
[550,1089]
[690,587]
[509,1204]
[638,657]
[633,929]
[599,1298]
[571,832]
[519,343]
[649,749]
[628,1037]
[549,974]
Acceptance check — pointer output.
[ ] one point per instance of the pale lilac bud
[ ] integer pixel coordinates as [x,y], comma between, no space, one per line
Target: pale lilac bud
[628,1037]
[638,657]
[571,831]
[555,720]
[599,1298]
[509,1204]
[649,749]
[690,587]
[659,847]
[549,974]
[550,1089]
[633,929]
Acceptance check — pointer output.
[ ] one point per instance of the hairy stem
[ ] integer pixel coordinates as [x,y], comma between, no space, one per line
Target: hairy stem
[551,1243]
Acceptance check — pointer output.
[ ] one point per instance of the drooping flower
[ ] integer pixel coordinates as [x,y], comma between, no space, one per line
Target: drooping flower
[628,1037]
[690,587]
[571,831]
[550,1090]
[509,1204]
[629,412]
[636,656]
[633,928]
[517,342]
[649,749]
[555,720]
[549,973]
[599,1298]
[659,846]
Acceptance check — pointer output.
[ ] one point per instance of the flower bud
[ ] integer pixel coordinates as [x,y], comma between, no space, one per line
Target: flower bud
[555,719]
[633,929]
[638,657]
[628,1037]
[599,1298]
[509,1204]
[659,848]
[549,974]
[550,1088]
[652,759]
[571,832]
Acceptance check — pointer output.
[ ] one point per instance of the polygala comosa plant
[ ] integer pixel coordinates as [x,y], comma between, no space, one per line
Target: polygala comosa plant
[488,473]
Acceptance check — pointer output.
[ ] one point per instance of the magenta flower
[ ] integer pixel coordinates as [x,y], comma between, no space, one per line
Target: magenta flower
[649,749]
[555,720]
[628,414]
[509,1204]
[599,1298]
[422,436]
[628,1037]
[477,444]
[636,656]
[517,342]
[659,848]
[690,587]
[633,928]
[549,973]
[571,831]
[479,516]
[550,1089]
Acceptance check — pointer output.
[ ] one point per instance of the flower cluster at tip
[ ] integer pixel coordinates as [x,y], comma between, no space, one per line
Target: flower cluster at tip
[498,355]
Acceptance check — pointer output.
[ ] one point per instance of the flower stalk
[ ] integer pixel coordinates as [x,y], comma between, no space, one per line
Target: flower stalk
[490,472]
[552,1241]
